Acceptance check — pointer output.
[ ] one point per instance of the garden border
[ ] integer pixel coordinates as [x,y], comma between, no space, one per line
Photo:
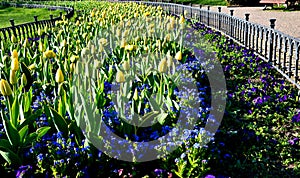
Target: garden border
[280,50]
[28,30]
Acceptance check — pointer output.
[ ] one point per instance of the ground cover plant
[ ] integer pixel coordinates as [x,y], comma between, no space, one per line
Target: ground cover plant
[23,15]
[44,106]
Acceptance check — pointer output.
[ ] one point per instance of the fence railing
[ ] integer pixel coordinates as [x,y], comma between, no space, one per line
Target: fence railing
[273,46]
[29,30]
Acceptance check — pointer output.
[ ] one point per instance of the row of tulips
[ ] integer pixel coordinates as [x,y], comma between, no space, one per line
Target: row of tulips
[59,89]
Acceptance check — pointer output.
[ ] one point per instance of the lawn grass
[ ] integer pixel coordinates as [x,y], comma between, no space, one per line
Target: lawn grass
[23,15]
[204,2]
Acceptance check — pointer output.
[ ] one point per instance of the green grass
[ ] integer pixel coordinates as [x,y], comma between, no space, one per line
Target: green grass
[204,2]
[23,15]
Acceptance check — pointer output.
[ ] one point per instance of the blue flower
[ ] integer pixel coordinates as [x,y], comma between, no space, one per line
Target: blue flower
[296,118]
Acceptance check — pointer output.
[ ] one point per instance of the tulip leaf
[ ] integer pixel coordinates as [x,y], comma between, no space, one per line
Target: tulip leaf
[59,122]
[26,71]
[30,138]
[5,144]
[23,132]
[10,156]
[31,118]
[161,118]
[42,131]
[11,132]
[15,112]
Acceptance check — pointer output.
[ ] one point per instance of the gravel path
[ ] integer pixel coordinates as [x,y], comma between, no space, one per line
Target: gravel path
[286,22]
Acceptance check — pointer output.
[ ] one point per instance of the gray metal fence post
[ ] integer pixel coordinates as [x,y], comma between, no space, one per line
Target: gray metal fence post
[208,8]
[12,22]
[231,23]
[219,16]
[272,25]
[246,29]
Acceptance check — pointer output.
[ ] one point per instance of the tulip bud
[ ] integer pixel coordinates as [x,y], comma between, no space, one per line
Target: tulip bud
[4,58]
[26,43]
[72,67]
[13,39]
[181,20]
[31,67]
[129,47]
[63,43]
[162,67]
[41,47]
[12,77]
[14,54]
[23,80]
[123,43]
[74,58]
[5,88]
[120,78]
[59,77]
[49,54]
[15,64]
[39,32]
[126,65]
[178,55]
[136,95]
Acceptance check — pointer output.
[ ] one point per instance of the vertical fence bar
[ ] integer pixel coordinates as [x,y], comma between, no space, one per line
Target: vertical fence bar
[219,16]
[246,29]
[231,22]
[272,25]
[208,8]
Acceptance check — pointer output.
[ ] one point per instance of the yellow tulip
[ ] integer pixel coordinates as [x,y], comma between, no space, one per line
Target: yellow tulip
[12,77]
[181,20]
[162,67]
[126,65]
[5,88]
[14,54]
[136,95]
[123,43]
[15,64]
[41,47]
[59,77]
[74,58]
[129,47]
[120,78]
[49,54]
[24,80]
[178,55]
[13,39]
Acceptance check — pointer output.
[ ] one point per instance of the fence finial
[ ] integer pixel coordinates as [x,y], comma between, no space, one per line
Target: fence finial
[231,12]
[272,23]
[12,22]
[219,8]
[247,16]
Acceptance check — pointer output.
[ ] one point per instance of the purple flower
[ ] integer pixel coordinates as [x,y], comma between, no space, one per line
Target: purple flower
[209,176]
[22,170]
[296,118]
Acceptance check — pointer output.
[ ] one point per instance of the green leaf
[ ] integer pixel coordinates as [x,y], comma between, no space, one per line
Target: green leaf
[23,132]
[15,112]
[76,130]
[161,118]
[26,71]
[59,122]
[10,156]
[30,119]
[31,138]
[5,144]
[42,131]
[11,132]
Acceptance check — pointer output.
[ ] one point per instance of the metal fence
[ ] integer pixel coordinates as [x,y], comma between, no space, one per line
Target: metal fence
[29,30]
[273,46]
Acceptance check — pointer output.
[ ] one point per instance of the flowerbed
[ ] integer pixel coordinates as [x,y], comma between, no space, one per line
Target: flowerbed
[79,70]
